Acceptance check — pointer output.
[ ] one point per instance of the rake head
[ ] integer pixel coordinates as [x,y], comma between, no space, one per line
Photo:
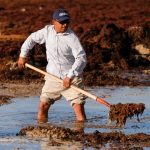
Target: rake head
[121,112]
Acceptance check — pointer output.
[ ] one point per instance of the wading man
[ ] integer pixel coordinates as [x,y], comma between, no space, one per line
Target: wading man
[66,59]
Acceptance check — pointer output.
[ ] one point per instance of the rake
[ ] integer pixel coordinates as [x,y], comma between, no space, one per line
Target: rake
[118,112]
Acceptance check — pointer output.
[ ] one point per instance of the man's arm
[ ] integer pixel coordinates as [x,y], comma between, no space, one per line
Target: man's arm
[79,64]
[36,37]
[80,58]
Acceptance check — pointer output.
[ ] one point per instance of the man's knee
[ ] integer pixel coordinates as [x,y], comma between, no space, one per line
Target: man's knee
[43,112]
[44,105]
[46,101]
[78,106]
[78,101]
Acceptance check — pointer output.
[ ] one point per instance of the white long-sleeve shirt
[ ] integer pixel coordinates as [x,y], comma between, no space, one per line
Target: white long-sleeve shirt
[65,54]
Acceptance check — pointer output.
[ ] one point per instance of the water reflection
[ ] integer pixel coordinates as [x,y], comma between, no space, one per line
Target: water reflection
[23,111]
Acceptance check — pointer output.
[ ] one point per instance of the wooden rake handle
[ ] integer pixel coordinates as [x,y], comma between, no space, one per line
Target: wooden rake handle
[100,100]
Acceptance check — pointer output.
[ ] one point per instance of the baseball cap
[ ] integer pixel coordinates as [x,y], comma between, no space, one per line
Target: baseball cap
[61,15]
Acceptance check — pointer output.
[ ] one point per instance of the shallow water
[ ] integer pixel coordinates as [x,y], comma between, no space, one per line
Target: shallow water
[22,112]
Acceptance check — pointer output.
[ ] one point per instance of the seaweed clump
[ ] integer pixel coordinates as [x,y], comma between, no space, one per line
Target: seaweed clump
[121,112]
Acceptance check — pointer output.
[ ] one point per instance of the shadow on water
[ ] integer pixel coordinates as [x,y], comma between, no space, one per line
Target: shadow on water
[23,111]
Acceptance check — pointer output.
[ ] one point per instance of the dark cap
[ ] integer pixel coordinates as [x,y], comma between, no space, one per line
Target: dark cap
[61,15]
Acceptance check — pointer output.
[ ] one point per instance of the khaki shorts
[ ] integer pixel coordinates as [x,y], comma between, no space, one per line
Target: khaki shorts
[54,90]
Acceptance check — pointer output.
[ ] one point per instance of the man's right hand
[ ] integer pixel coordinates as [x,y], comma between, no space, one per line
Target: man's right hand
[21,62]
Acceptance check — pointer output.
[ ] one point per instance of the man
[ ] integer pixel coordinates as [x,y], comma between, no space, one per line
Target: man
[66,59]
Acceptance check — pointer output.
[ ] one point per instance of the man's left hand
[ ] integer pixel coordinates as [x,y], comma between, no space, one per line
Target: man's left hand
[66,82]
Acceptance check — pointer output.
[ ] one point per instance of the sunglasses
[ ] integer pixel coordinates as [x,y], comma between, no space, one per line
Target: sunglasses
[64,22]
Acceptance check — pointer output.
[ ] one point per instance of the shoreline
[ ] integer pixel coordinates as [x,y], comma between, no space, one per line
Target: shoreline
[27,88]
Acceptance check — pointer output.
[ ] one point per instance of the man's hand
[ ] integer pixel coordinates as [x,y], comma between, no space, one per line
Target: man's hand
[66,82]
[21,62]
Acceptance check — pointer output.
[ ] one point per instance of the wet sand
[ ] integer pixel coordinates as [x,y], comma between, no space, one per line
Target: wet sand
[20,89]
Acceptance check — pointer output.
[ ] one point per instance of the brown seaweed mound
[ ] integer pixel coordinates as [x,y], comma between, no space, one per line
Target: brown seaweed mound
[95,139]
[120,112]
[116,40]
[48,130]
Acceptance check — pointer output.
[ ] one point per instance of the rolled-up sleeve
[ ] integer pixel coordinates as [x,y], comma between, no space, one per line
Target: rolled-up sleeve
[80,58]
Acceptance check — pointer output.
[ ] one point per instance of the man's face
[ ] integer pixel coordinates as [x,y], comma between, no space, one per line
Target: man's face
[62,26]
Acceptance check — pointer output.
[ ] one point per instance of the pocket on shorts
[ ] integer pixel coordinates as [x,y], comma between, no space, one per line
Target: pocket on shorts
[78,81]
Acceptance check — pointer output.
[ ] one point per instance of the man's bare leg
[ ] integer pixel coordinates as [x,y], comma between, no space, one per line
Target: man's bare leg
[79,112]
[43,112]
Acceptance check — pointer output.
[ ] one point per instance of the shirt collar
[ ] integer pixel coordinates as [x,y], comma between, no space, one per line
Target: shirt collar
[65,33]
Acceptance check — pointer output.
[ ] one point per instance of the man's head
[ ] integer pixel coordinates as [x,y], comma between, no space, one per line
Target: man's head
[61,20]
[61,15]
